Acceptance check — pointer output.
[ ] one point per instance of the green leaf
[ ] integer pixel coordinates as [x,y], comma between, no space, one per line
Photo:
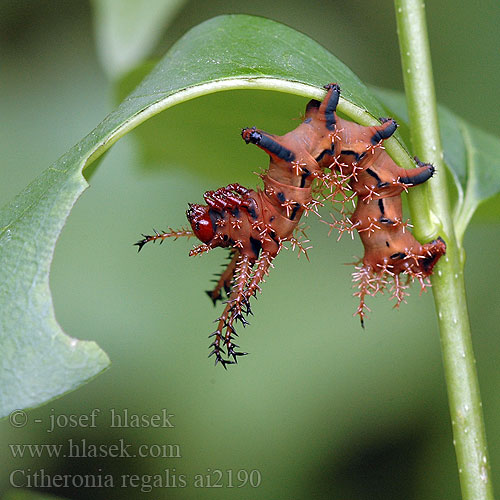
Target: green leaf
[127,30]
[471,155]
[483,167]
[39,362]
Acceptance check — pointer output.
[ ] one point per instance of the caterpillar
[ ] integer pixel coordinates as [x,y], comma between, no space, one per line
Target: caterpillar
[360,166]
[347,161]
[254,224]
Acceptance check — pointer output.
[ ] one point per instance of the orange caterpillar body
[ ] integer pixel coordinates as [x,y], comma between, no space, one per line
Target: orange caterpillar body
[346,158]
[254,224]
[360,165]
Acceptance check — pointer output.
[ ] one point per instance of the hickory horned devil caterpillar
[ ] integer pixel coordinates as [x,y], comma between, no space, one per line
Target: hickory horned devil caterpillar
[325,159]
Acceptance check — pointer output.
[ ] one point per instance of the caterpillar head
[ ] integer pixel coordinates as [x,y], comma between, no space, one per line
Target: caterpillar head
[199,218]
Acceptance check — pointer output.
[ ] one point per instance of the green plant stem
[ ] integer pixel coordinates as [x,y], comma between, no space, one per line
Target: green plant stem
[448,283]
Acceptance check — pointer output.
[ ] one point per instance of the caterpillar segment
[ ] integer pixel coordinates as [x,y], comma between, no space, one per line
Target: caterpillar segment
[361,168]
[325,159]
[255,224]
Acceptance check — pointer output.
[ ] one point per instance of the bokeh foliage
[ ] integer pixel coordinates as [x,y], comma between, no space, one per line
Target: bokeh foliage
[369,400]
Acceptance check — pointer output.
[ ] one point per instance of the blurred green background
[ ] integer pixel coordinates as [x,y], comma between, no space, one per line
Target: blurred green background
[321,408]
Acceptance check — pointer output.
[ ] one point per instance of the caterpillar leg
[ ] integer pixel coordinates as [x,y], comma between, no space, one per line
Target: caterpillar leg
[246,284]
[162,236]
[232,311]
[225,279]
[396,273]
[368,283]
[263,263]
[398,289]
